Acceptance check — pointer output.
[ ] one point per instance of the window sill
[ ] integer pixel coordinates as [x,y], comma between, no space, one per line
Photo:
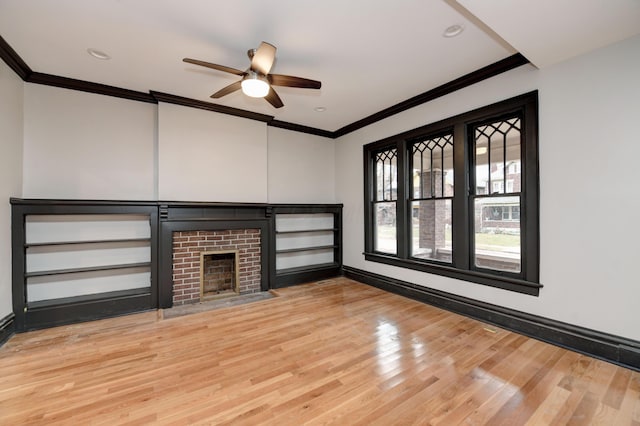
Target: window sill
[498,281]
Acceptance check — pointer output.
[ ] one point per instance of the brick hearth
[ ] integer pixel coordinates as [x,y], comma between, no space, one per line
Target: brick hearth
[187,246]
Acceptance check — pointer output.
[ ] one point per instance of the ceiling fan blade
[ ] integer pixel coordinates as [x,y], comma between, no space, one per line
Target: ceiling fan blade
[273,98]
[291,81]
[263,58]
[228,89]
[214,66]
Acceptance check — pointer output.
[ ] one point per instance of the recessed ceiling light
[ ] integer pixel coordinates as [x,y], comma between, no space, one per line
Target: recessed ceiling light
[320,109]
[453,30]
[98,54]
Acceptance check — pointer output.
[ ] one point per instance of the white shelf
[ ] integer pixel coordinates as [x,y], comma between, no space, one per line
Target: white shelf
[71,255]
[305,241]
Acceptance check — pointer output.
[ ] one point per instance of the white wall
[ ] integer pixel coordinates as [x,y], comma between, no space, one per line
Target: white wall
[206,156]
[301,167]
[83,145]
[11,117]
[589,202]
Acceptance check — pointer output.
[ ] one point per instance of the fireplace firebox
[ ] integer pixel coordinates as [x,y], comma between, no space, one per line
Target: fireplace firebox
[218,274]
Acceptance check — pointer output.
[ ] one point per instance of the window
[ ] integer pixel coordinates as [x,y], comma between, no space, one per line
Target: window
[497,145]
[432,192]
[459,197]
[386,170]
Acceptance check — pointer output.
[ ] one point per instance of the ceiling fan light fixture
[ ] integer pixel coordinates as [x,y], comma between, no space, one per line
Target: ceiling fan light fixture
[257,80]
[255,85]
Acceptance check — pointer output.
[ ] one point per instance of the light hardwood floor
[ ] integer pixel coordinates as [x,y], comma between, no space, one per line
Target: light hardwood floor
[332,352]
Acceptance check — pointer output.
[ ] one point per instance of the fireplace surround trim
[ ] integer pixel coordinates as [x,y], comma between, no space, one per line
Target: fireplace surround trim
[168,227]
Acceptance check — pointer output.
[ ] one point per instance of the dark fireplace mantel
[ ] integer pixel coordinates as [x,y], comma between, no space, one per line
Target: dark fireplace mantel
[180,217]
[168,227]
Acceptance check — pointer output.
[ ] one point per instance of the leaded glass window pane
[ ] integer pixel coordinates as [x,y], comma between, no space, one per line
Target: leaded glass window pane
[432,168]
[384,206]
[386,175]
[498,157]
[431,193]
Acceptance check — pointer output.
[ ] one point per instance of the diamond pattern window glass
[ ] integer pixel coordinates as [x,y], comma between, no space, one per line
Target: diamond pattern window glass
[497,157]
[497,150]
[432,190]
[387,175]
[385,206]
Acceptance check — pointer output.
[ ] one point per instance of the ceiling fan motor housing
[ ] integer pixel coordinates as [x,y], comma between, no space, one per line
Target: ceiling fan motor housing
[257,80]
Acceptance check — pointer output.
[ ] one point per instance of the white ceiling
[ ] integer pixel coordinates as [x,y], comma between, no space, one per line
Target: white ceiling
[550,31]
[369,54]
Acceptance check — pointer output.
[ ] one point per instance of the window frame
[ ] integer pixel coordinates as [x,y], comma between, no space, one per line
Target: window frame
[461,267]
[391,199]
[433,193]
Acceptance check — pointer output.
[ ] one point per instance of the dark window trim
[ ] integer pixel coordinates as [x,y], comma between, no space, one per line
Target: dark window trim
[526,282]
[478,277]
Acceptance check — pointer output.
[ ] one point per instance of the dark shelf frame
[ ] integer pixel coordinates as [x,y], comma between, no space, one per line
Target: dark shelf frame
[85,308]
[69,243]
[297,275]
[304,274]
[53,312]
[142,291]
[306,231]
[87,269]
[310,248]
[309,268]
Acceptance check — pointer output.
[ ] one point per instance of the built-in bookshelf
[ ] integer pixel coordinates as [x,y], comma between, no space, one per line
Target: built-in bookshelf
[81,262]
[84,256]
[307,243]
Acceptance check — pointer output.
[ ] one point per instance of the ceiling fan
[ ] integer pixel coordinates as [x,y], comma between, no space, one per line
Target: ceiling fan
[256,80]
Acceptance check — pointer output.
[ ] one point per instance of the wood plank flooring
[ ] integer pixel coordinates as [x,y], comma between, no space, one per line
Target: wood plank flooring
[333,352]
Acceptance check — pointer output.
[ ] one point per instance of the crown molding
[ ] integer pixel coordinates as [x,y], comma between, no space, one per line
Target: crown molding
[194,103]
[88,86]
[300,128]
[15,62]
[476,76]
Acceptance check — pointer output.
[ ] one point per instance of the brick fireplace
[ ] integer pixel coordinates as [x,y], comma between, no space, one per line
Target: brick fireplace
[186,229]
[187,250]
[189,229]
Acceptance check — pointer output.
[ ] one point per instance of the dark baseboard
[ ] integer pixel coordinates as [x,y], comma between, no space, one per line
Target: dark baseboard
[305,276]
[7,328]
[614,349]
[90,310]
